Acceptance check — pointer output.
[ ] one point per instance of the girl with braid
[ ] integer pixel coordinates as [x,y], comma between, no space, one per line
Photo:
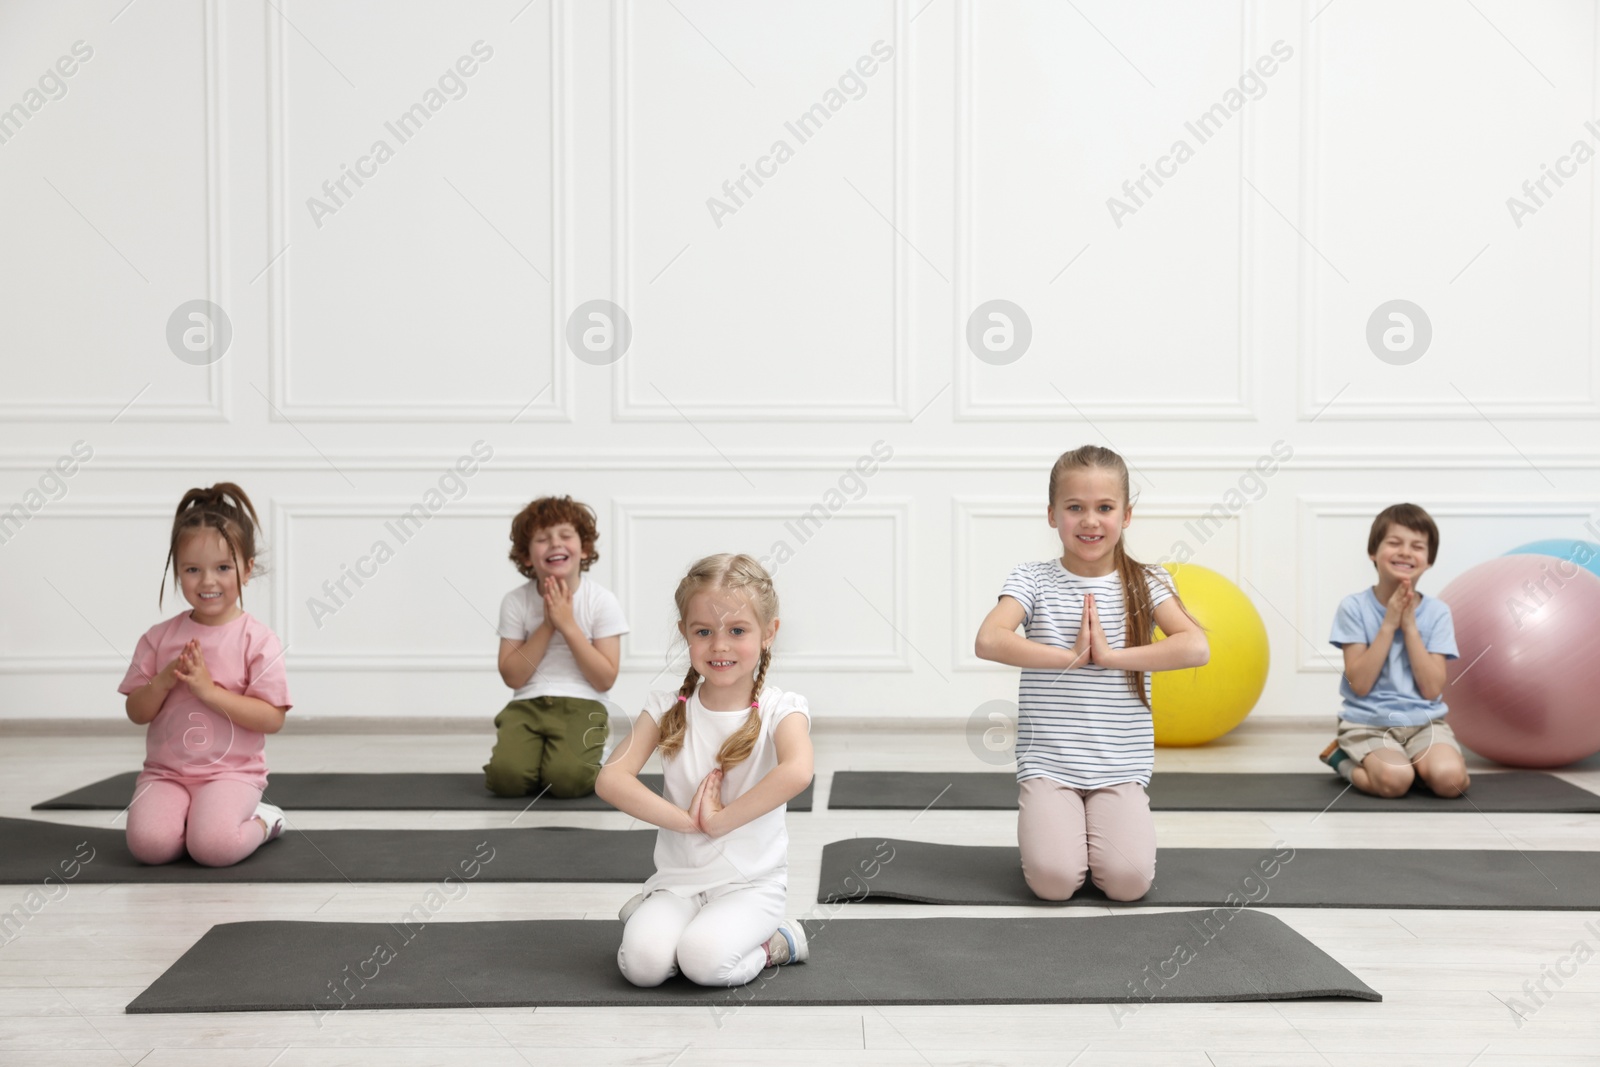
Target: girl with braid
[734,752]
[210,685]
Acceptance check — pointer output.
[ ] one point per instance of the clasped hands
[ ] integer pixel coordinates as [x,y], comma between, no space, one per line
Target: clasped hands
[1402,607]
[190,668]
[557,604]
[1091,645]
[706,806]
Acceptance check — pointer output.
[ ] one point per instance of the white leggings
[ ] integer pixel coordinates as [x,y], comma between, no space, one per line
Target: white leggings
[717,937]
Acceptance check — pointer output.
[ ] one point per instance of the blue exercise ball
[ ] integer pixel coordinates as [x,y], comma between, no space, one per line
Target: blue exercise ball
[1585,554]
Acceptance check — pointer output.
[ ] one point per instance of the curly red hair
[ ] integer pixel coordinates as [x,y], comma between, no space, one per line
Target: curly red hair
[544,513]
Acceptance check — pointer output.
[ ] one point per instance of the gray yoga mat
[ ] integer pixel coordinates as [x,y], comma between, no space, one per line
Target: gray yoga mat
[877,869]
[1501,791]
[30,850]
[397,791]
[328,966]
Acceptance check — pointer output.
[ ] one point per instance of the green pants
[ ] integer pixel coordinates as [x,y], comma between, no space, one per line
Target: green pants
[547,743]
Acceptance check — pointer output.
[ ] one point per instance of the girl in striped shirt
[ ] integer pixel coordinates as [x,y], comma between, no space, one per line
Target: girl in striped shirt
[1085,740]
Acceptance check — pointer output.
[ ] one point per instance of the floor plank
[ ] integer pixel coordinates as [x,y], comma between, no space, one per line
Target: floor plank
[1449,978]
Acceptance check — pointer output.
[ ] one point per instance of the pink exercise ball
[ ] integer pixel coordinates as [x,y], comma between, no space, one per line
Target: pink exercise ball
[1526,688]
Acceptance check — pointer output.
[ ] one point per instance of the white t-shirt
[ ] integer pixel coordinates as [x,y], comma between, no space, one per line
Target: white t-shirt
[1084,727]
[597,613]
[758,851]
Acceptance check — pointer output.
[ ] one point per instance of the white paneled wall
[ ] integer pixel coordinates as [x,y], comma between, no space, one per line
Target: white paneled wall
[1198,207]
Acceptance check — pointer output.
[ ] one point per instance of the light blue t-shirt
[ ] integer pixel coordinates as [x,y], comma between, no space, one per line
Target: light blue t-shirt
[1393,699]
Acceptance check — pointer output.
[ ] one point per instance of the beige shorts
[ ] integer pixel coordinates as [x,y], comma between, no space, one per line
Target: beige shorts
[1360,740]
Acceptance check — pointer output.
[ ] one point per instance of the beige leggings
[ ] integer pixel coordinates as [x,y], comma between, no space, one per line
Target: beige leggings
[1067,834]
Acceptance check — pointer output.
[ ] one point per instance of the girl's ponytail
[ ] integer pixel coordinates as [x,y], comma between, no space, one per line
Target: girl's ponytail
[223,507]
[1139,622]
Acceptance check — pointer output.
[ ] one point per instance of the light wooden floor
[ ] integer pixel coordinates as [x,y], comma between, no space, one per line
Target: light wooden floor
[1444,975]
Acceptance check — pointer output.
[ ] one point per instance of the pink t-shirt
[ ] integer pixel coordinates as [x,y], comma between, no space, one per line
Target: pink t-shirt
[187,741]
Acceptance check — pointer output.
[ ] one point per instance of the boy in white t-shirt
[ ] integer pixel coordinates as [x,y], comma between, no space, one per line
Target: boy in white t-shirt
[560,642]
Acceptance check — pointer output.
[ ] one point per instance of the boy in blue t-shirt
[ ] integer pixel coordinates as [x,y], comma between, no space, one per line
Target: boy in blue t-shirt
[1396,642]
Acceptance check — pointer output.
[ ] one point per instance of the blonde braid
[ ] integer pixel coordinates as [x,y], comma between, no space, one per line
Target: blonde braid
[743,575]
[737,748]
[676,721]
[761,675]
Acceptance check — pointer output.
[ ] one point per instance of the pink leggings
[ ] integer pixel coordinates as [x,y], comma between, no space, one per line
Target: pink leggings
[215,820]
[1066,834]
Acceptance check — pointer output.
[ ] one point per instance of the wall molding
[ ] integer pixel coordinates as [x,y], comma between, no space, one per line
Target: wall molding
[556,405]
[1314,406]
[964,509]
[647,458]
[627,513]
[1238,408]
[1311,510]
[288,622]
[106,652]
[627,409]
[217,406]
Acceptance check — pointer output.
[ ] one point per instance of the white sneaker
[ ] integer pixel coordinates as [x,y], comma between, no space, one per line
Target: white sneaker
[630,907]
[272,815]
[788,945]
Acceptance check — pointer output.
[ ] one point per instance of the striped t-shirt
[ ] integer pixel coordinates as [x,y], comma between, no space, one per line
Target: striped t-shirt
[1084,728]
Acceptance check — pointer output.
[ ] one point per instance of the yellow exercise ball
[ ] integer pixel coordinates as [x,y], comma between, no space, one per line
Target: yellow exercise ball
[1200,704]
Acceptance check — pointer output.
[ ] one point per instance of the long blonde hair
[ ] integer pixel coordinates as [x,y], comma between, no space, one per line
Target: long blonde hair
[741,575]
[1139,626]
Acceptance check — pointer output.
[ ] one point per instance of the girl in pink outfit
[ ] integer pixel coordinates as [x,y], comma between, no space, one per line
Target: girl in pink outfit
[210,685]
